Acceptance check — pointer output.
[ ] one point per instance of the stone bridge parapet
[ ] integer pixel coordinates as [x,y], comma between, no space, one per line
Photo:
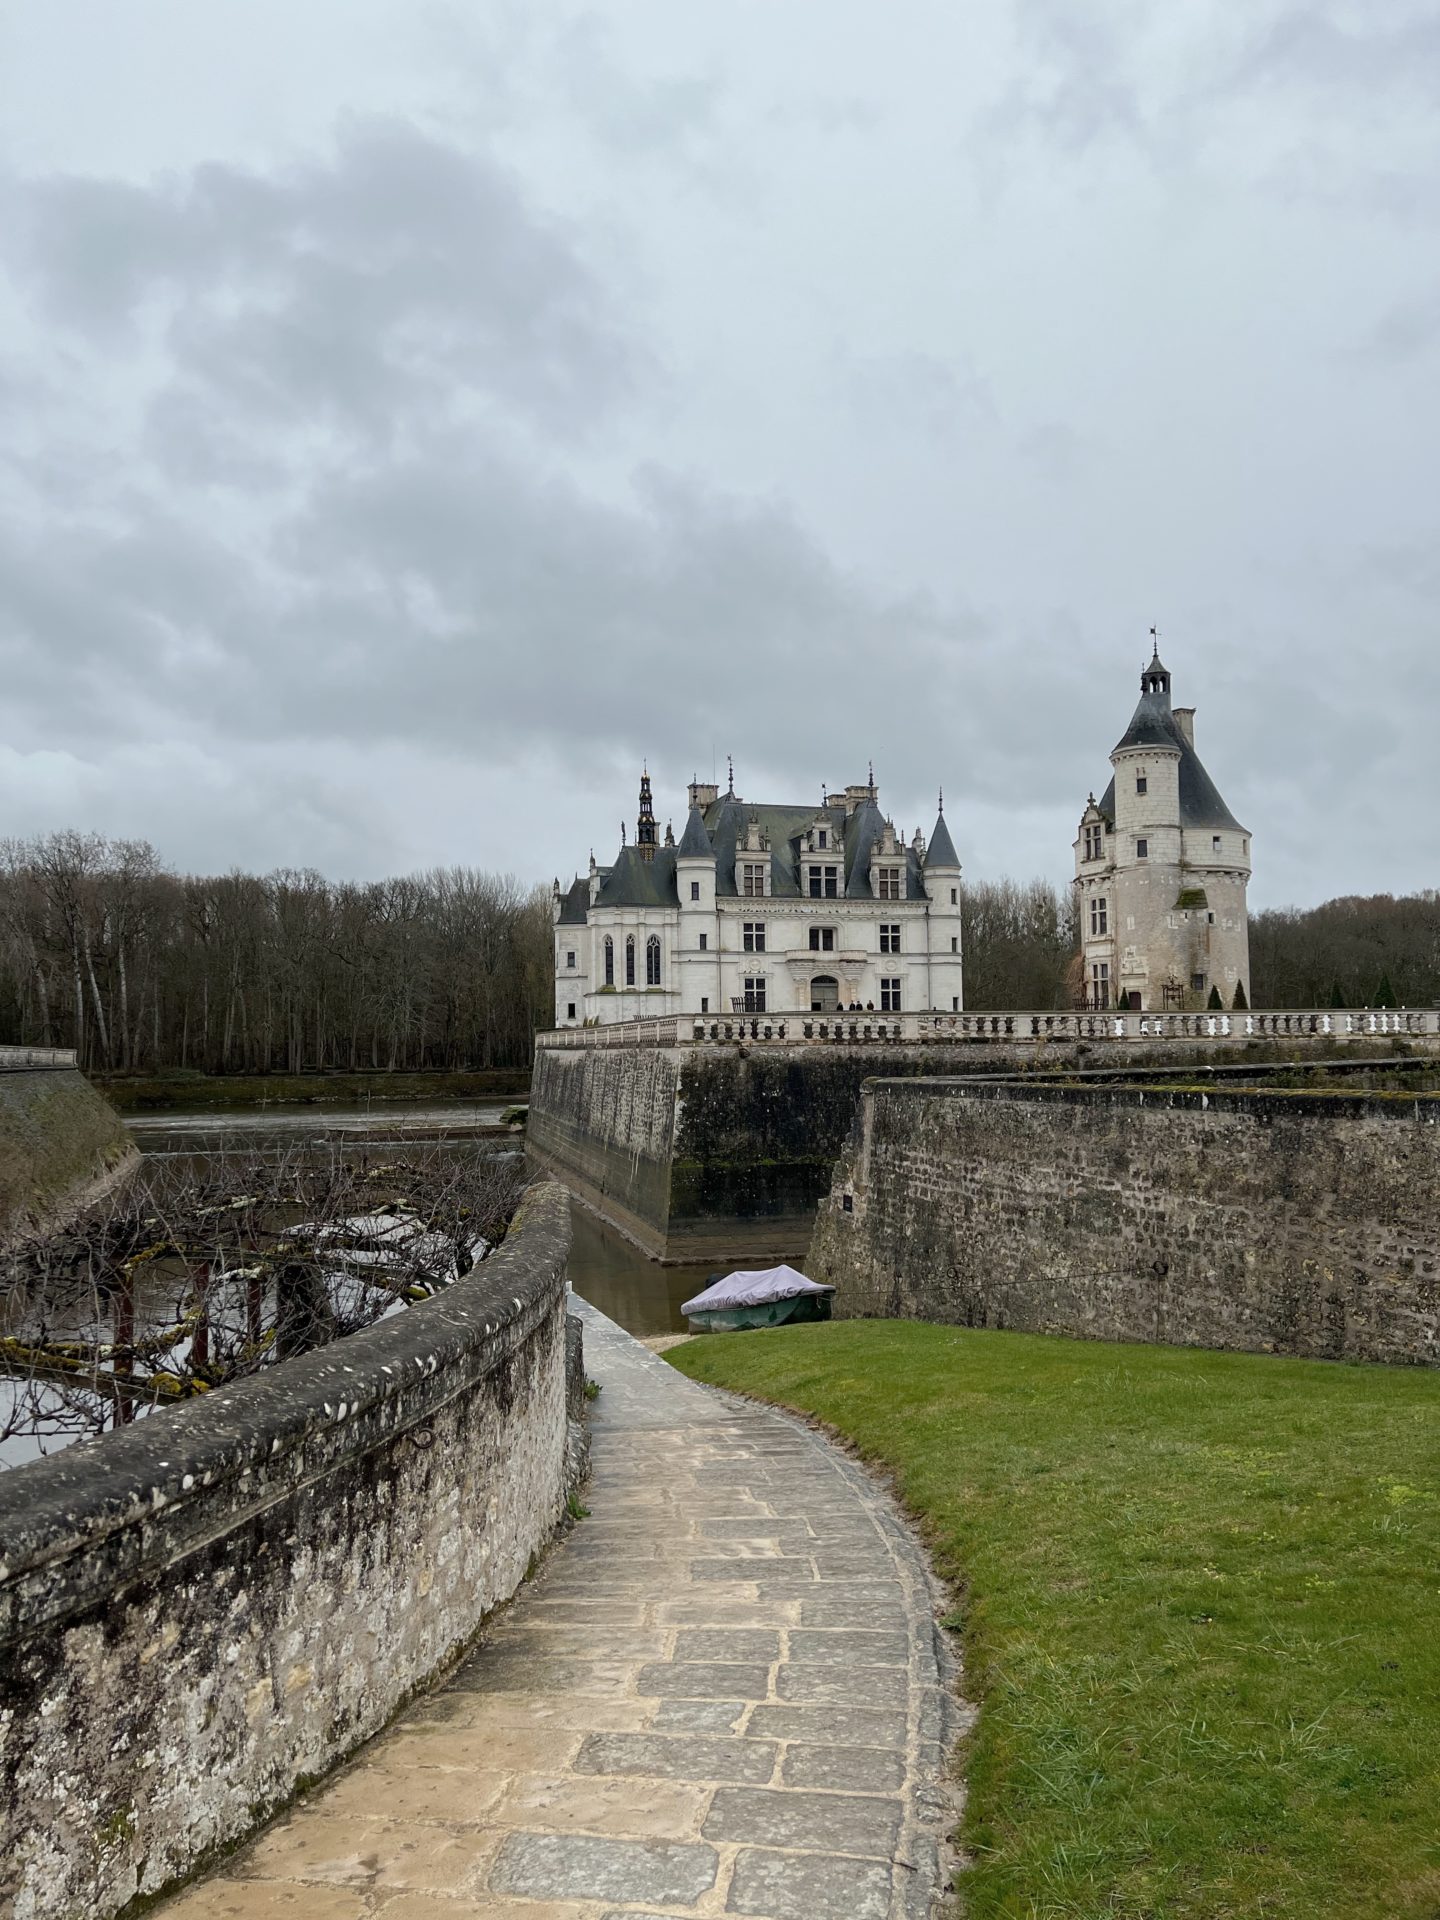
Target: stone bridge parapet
[202,1612]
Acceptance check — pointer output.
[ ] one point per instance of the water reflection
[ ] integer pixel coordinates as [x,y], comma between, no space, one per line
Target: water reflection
[614,1275]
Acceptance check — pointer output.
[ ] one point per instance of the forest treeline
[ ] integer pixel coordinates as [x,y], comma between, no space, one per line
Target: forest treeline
[102,948]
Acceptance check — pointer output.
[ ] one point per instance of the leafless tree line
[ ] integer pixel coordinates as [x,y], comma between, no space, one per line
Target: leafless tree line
[189,1276]
[102,948]
[1021,940]
[1359,951]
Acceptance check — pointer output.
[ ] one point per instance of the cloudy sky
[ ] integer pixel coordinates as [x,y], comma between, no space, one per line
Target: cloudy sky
[415,414]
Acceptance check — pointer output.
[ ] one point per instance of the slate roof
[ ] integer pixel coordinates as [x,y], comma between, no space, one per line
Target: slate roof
[1154,725]
[941,851]
[575,904]
[720,832]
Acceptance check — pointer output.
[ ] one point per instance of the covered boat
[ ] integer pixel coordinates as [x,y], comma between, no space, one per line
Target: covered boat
[769,1298]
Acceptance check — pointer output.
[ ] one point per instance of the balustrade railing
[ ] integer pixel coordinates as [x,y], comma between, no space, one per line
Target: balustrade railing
[818,1029]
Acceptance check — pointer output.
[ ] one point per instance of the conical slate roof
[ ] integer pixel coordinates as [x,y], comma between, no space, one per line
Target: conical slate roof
[695,842]
[1153,725]
[941,850]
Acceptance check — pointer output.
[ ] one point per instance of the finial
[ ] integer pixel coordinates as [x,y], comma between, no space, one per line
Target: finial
[622,833]
[872,773]
[730,765]
[942,799]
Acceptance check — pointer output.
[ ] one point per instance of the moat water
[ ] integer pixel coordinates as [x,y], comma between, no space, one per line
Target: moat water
[607,1269]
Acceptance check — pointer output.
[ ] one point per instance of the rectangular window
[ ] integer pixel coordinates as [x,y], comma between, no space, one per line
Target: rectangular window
[753,880]
[822,883]
[1215,843]
[704,1004]
[754,936]
[822,939]
[890,996]
[1142,785]
[1142,849]
[694,889]
[954,896]
[1197,983]
[570,1011]
[755,993]
[1099,918]
[890,883]
[954,943]
[630,960]
[570,959]
[822,839]
[704,942]
[889,936]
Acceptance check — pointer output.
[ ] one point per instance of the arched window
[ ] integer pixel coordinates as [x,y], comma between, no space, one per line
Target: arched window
[652,961]
[609,961]
[629,959]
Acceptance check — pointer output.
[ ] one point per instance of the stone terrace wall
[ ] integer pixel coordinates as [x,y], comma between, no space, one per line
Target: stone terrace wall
[202,1611]
[1265,1221]
[60,1141]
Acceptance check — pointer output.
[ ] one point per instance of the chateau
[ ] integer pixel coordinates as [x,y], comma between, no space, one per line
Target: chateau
[1161,866]
[762,908]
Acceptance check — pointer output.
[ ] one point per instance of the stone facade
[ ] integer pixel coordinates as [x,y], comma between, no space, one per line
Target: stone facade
[1268,1221]
[202,1612]
[770,908]
[1161,870]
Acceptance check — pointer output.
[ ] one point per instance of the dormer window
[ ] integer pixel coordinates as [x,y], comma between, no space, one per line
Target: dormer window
[888,883]
[752,879]
[1094,842]
[822,839]
[823,883]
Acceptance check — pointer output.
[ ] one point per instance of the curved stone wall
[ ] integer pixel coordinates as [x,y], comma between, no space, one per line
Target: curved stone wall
[201,1612]
[60,1140]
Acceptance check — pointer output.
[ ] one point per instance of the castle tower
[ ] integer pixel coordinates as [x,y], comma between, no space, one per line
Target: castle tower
[942,884]
[1161,870]
[645,834]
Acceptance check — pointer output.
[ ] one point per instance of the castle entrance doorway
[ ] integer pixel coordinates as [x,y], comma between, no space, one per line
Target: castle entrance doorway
[824,994]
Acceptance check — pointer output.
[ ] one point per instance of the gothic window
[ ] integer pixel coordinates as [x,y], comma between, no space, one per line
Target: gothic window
[822,939]
[652,961]
[890,996]
[889,936]
[1142,785]
[755,993]
[752,879]
[1142,849]
[629,959]
[609,961]
[754,936]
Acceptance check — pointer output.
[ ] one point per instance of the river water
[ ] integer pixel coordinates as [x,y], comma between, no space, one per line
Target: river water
[604,1267]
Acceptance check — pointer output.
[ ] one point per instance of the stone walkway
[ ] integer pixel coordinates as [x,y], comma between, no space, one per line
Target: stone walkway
[724,1694]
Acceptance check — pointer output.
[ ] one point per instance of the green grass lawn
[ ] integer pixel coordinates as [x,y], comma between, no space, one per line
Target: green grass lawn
[1199,1596]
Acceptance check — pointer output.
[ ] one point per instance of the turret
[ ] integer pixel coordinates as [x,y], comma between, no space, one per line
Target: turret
[941,874]
[645,831]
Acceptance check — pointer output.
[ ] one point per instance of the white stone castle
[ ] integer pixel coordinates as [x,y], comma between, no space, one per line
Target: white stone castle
[1161,867]
[762,909]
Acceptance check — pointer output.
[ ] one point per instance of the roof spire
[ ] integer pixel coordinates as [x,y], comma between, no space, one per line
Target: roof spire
[941,807]
[730,765]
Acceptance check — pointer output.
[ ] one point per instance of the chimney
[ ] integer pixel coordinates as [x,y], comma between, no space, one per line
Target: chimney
[1185,720]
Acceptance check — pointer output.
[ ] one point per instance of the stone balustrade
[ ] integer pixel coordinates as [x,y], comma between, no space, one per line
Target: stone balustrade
[928,1029]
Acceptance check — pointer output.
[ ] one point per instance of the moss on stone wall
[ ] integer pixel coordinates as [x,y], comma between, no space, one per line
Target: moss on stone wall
[57,1138]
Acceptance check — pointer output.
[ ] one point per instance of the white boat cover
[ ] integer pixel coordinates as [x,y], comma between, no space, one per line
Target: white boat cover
[755,1289]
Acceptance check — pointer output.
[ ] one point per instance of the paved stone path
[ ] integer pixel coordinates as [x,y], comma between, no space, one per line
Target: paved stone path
[724,1694]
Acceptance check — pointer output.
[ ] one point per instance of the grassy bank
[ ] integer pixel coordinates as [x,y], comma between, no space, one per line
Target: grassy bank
[1200,1604]
[149,1092]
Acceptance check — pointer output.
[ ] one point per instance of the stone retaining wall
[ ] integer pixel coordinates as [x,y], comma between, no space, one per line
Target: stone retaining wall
[1261,1220]
[203,1611]
[724,1152]
[61,1142]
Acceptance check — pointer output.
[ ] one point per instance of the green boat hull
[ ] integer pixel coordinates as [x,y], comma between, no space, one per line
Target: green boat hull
[775,1313]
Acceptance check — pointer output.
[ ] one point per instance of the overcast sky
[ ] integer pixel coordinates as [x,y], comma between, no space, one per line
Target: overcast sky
[417,414]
